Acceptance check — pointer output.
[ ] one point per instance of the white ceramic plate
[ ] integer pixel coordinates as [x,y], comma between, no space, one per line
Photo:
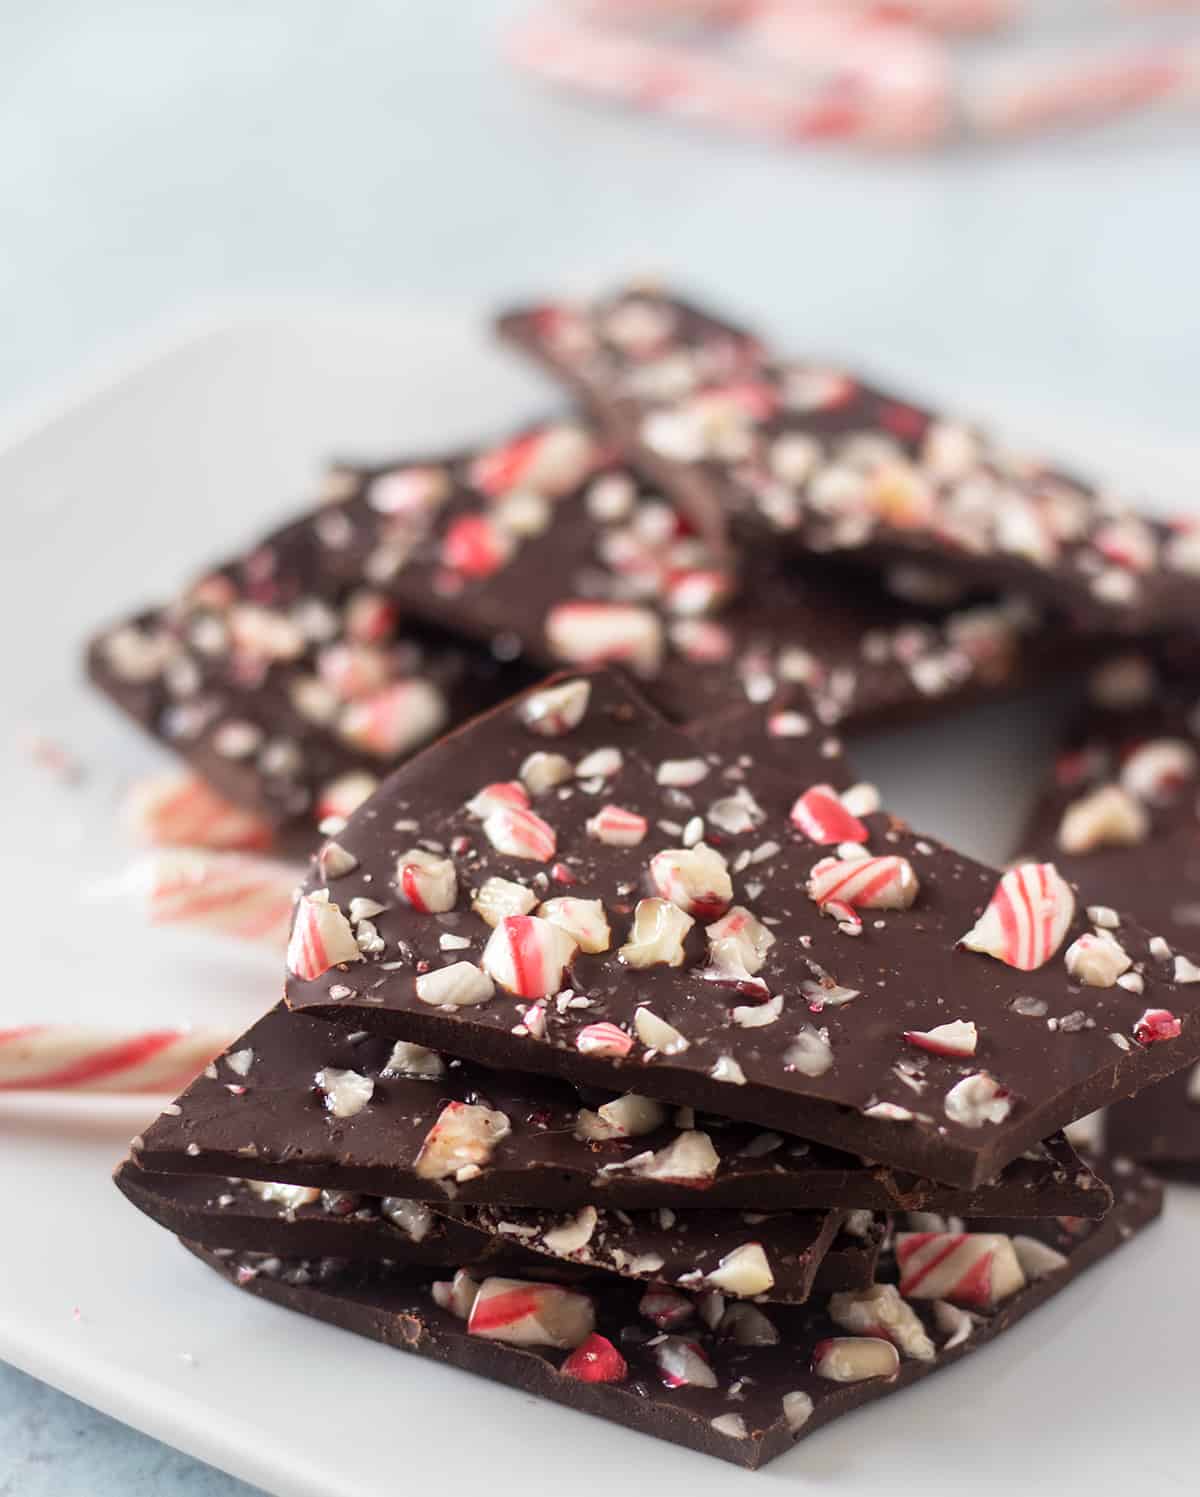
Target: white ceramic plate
[115,501]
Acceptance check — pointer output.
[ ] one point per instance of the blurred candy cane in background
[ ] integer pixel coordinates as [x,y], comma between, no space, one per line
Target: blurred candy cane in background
[899,75]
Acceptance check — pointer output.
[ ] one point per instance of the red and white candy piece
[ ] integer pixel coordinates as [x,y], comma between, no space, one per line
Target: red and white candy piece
[228,892]
[884,883]
[657,935]
[523,1313]
[460,985]
[682,1363]
[738,944]
[978,1099]
[629,1116]
[427,881]
[463,1137]
[497,898]
[1157,1024]
[822,817]
[616,827]
[409,491]
[352,671]
[529,956]
[666,1308]
[881,1311]
[1096,960]
[691,1161]
[541,772]
[395,720]
[78,1057]
[596,1360]
[321,937]
[519,833]
[855,1359]
[179,809]
[694,878]
[496,797]
[583,920]
[556,710]
[657,1034]
[1027,918]
[343,796]
[743,1272]
[550,460]
[959,1037]
[346,1092]
[1157,771]
[1107,817]
[603,1040]
[603,633]
[475,546]
[977,1269]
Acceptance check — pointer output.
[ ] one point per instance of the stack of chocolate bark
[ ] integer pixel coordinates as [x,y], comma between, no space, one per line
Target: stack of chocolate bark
[631,1053]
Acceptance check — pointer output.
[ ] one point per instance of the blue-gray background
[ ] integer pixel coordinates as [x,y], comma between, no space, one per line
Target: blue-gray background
[155,155]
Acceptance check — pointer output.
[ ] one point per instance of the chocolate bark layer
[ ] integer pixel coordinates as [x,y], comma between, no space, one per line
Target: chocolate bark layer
[1160,1127]
[264,1118]
[797,1012]
[815,457]
[697,1381]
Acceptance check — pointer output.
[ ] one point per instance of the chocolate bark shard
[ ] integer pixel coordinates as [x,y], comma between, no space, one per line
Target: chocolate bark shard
[773,973]
[276,1128]
[709,1389]
[1160,1127]
[756,448]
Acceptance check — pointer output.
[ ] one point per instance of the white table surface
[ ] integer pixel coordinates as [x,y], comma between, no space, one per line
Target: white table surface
[155,160]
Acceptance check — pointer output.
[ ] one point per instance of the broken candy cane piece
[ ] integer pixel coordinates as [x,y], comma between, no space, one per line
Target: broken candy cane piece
[494,797]
[598,633]
[743,1272]
[624,1117]
[690,1160]
[604,1040]
[797,1411]
[1026,919]
[520,833]
[666,1308]
[497,898]
[657,934]
[959,1037]
[181,810]
[955,1324]
[1037,1258]
[460,985]
[333,861]
[549,460]
[1157,771]
[342,796]
[572,1234]
[616,827]
[683,1364]
[746,1325]
[1157,1024]
[854,1359]
[1107,817]
[541,772]
[556,710]
[886,883]
[346,1092]
[596,1360]
[880,1311]
[393,721]
[978,1269]
[464,1134]
[414,1218]
[528,956]
[583,920]
[414,1060]
[1096,960]
[732,1425]
[978,1099]
[476,546]
[291,1197]
[738,944]
[321,937]
[694,878]
[809,1052]
[524,1313]
[823,818]
[657,1034]
[458,1295]
[427,882]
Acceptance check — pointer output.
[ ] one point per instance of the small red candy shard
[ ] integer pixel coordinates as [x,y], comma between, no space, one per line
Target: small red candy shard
[475,547]
[1156,1024]
[596,1361]
[821,816]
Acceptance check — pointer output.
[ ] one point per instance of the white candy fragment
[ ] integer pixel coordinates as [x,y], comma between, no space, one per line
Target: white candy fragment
[414,1218]
[725,1068]
[855,1359]
[497,898]
[690,1160]
[731,1424]
[746,1325]
[572,1234]
[523,1313]
[346,1092]
[415,1061]
[682,774]
[321,937]
[1096,960]
[528,956]
[1185,970]
[1107,817]
[880,1311]
[809,1053]
[694,878]
[1037,1258]
[458,1295]
[541,772]
[1157,771]
[883,883]
[955,1324]
[428,882]
[464,1134]
[956,1038]
[291,1197]
[583,920]
[977,1099]
[1026,919]
[629,1116]
[556,709]
[758,1015]
[657,935]
[737,813]
[743,1272]
[682,1363]
[334,861]
[594,633]
[601,763]
[460,985]
[977,1269]
[657,1034]
[797,1411]
[738,944]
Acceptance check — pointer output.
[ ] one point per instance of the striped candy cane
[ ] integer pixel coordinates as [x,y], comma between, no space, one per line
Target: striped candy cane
[179,809]
[236,895]
[77,1057]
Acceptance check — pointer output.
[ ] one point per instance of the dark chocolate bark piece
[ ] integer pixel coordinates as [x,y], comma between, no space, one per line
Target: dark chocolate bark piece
[288,679]
[740,1382]
[265,1118]
[814,966]
[814,458]
[1160,1127]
